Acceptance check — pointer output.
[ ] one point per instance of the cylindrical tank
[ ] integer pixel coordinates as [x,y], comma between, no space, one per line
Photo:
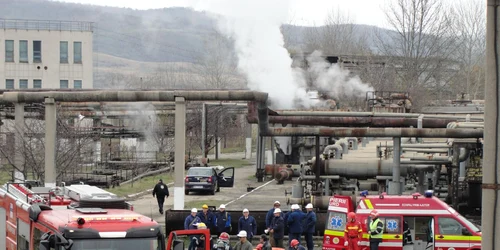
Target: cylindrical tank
[297,190]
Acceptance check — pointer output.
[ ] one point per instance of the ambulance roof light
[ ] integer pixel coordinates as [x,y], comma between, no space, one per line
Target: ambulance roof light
[364,193]
[429,193]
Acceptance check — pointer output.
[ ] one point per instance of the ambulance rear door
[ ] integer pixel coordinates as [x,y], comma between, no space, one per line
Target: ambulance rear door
[339,207]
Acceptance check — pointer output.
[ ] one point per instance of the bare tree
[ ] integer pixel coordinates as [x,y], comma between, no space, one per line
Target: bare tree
[216,67]
[338,36]
[471,29]
[421,45]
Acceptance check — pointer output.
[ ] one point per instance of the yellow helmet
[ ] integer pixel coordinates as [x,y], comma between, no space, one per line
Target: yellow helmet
[201,225]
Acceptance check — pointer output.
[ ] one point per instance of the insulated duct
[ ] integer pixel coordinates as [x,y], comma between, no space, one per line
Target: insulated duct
[335,147]
[375,132]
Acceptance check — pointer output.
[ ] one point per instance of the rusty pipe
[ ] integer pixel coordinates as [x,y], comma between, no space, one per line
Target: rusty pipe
[368,114]
[283,174]
[375,132]
[375,122]
[135,96]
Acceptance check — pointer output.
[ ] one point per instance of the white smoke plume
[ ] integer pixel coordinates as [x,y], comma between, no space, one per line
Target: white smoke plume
[333,80]
[255,27]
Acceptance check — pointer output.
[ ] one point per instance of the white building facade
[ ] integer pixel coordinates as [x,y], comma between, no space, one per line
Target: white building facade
[46,54]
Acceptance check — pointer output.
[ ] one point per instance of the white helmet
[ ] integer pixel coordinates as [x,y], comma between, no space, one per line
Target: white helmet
[277,210]
[309,205]
[194,210]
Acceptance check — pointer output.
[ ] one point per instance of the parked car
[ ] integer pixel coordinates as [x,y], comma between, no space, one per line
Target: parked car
[208,179]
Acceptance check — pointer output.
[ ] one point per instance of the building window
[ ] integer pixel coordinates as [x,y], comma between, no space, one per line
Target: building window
[64,84]
[37,51]
[9,51]
[63,46]
[37,84]
[77,52]
[23,84]
[23,51]
[9,84]
[78,84]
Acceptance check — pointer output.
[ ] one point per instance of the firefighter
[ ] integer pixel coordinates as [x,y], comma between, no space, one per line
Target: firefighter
[353,232]
[248,224]
[376,230]
[160,191]
[223,220]
[198,242]
[310,226]
[207,217]
[295,245]
[223,242]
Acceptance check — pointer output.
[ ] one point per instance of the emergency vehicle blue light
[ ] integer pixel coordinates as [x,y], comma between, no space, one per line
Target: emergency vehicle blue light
[364,193]
[429,193]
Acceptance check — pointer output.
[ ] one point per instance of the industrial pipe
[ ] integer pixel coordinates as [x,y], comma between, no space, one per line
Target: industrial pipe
[374,122]
[366,114]
[283,174]
[425,150]
[136,96]
[365,168]
[465,125]
[463,156]
[344,144]
[336,148]
[375,132]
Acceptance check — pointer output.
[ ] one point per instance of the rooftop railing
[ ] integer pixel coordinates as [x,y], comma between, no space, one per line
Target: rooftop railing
[50,25]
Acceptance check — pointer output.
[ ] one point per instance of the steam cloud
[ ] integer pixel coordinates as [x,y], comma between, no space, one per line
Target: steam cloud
[255,27]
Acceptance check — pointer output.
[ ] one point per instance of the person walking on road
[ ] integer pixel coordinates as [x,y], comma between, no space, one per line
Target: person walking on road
[243,244]
[353,232]
[277,228]
[222,220]
[310,226]
[294,222]
[160,191]
[376,230]
[207,217]
[248,224]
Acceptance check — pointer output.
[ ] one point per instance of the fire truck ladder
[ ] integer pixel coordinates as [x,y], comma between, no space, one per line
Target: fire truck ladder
[20,191]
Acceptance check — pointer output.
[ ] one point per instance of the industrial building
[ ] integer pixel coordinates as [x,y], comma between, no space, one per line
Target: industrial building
[39,54]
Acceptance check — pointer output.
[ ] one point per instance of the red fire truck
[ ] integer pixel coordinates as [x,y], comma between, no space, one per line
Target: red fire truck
[76,217]
[411,222]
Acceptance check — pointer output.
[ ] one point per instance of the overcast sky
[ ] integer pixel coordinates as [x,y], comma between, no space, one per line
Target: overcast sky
[302,12]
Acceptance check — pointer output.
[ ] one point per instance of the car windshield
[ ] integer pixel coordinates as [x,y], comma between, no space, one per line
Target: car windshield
[199,172]
[116,244]
[469,224]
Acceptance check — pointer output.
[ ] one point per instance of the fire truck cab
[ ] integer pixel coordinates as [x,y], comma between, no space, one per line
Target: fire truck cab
[76,217]
[411,222]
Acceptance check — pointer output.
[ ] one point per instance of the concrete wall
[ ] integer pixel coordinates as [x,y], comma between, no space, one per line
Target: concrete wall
[55,71]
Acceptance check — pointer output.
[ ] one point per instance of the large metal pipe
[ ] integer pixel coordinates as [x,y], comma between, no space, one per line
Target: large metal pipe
[367,114]
[336,148]
[344,144]
[463,156]
[374,122]
[490,219]
[136,96]
[395,187]
[365,168]
[420,145]
[283,174]
[465,125]
[375,132]
[426,150]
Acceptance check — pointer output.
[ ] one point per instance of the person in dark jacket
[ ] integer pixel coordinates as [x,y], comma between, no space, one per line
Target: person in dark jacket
[160,191]
[207,217]
[270,213]
[192,220]
[277,228]
[247,223]
[223,220]
[265,242]
[310,226]
[294,221]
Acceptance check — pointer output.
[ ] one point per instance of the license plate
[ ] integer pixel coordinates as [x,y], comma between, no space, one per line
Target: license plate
[198,187]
